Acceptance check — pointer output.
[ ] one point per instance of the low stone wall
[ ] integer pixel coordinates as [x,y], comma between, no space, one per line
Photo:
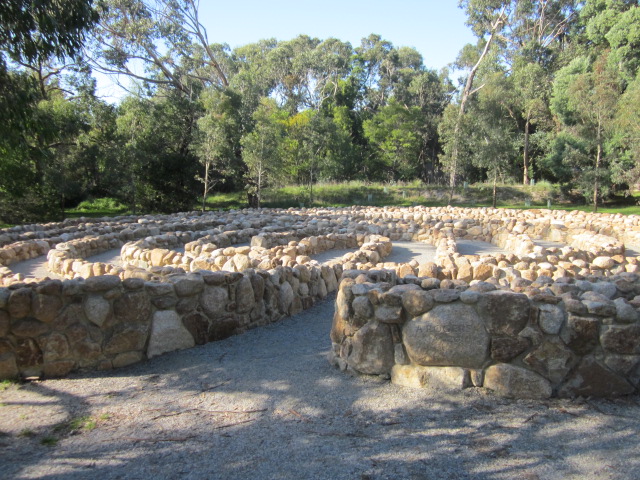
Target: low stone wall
[555,339]
[214,253]
[54,327]
[159,251]
[23,250]
[288,239]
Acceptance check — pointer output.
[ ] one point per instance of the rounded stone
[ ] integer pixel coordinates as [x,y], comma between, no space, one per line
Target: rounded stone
[516,382]
[448,335]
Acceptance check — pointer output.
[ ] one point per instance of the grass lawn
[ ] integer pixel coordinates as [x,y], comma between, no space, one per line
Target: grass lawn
[358,193]
[100,207]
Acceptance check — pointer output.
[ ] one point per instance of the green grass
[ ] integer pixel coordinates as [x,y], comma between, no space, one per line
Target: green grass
[329,194]
[76,424]
[5,384]
[414,193]
[49,441]
[226,200]
[99,207]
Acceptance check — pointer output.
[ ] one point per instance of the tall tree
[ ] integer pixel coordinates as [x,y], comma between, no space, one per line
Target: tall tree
[217,140]
[394,131]
[262,149]
[585,97]
[47,28]
[487,18]
[159,42]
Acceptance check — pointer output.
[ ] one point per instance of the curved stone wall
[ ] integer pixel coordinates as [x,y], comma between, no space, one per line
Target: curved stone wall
[569,338]
[49,327]
[55,327]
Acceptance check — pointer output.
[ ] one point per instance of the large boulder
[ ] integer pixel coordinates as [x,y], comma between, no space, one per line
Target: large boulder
[417,376]
[372,349]
[448,335]
[593,379]
[168,334]
[505,312]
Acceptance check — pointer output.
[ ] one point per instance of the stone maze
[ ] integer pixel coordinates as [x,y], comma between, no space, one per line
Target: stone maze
[547,304]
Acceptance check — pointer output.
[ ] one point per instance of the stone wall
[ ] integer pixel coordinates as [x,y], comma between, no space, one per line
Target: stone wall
[54,327]
[592,235]
[565,339]
[50,327]
[104,321]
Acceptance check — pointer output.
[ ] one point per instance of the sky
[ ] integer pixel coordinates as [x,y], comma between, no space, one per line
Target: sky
[433,27]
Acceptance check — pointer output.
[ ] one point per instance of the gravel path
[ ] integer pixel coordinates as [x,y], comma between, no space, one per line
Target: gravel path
[34,268]
[267,405]
[476,247]
[403,252]
[110,256]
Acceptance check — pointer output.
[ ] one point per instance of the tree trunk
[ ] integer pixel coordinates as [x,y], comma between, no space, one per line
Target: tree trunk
[596,182]
[466,93]
[525,154]
[133,192]
[206,186]
[495,189]
[259,186]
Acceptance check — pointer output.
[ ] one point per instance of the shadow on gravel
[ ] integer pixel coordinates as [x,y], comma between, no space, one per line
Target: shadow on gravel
[405,252]
[476,247]
[267,405]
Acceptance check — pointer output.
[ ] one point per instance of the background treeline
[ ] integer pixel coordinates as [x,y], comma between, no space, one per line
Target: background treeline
[551,91]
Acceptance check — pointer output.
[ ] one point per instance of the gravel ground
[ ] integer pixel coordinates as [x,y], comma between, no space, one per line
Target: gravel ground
[268,405]
[34,268]
[475,247]
[403,252]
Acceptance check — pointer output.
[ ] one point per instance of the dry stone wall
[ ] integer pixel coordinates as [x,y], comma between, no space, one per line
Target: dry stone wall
[162,298]
[55,327]
[569,338]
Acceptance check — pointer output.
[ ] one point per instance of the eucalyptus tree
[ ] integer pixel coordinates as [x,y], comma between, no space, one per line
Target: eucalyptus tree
[156,157]
[585,97]
[262,149]
[394,133]
[159,42]
[36,39]
[487,19]
[217,138]
[493,140]
[535,37]
[43,29]
[253,77]
[526,37]
[613,25]
[376,62]
[308,70]
[626,168]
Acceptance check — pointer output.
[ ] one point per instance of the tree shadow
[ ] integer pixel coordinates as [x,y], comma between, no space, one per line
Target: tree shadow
[267,404]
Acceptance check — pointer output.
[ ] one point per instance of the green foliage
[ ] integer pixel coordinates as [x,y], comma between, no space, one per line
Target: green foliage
[394,132]
[103,206]
[156,163]
[39,29]
[262,149]
[6,384]
[549,91]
